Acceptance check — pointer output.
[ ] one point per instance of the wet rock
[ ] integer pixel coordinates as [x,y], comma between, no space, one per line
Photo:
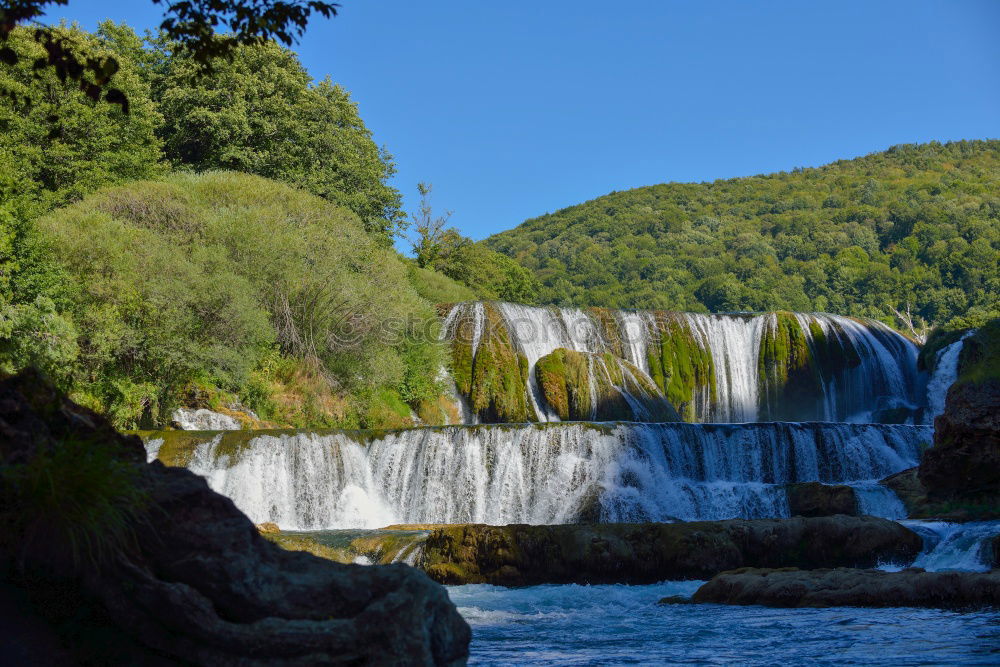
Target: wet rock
[200,419]
[963,466]
[845,587]
[906,485]
[520,555]
[816,499]
[192,580]
[267,527]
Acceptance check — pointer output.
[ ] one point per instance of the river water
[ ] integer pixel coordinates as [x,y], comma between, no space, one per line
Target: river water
[624,625]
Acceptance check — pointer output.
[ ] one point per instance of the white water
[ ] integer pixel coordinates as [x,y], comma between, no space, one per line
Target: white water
[954,546]
[885,376]
[945,373]
[543,475]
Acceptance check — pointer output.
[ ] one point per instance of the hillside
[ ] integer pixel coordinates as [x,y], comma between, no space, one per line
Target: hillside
[916,224]
[232,292]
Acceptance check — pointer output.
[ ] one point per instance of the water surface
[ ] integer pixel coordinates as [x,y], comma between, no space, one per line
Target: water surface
[624,625]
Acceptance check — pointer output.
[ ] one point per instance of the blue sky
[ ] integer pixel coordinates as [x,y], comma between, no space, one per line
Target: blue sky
[517,108]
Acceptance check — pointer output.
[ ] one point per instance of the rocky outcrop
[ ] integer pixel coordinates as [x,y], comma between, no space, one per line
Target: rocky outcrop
[844,587]
[816,499]
[583,386]
[519,555]
[907,487]
[201,419]
[189,578]
[964,463]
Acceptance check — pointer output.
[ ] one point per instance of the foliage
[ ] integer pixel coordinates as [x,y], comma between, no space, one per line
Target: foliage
[437,287]
[207,277]
[428,229]
[916,224]
[76,503]
[257,112]
[56,143]
[979,360]
[190,24]
[36,334]
[489,274]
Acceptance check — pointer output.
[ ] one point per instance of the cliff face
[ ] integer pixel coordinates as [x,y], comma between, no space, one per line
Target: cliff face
[178,575]
[964,463]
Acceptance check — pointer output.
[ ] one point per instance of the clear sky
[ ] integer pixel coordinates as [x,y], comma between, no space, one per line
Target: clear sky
[520,107]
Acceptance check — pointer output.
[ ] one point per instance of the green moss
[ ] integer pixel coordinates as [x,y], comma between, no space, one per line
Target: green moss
[979,360]
[580,386]
[790,381]
[680,366]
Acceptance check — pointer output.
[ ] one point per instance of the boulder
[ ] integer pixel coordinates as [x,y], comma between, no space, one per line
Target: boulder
[963,466]
[180,575]
[521,555]
[816,499]
[845,587]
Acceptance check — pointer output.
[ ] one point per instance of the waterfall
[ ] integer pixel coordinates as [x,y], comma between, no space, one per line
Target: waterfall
[877,500]
[944,375]
[860,366]
[537,474]
[954,546]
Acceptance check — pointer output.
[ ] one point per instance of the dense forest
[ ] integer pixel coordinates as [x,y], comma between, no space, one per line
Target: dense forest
[916,225]
[140,286]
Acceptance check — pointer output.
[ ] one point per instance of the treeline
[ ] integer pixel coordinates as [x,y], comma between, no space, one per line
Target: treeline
[916,225]
[157,288]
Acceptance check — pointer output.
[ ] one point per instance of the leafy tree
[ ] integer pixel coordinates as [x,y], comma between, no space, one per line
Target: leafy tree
[190,24]
[256,112]
[56,143]
[428,229]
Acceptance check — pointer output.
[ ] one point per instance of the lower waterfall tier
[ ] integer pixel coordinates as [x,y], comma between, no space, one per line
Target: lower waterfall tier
[536,474]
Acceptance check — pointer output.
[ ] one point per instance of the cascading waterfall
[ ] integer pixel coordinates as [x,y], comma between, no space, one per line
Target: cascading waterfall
[859,365]
[540,474]
[954,546]
[944,375]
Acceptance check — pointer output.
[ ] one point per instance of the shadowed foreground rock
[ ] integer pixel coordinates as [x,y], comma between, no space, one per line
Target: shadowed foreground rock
[198,584]
[520,555]
[844,587]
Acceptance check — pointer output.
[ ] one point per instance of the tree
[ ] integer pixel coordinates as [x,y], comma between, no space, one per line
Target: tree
[190,24]
[429,229]
[256,112]
[57,143]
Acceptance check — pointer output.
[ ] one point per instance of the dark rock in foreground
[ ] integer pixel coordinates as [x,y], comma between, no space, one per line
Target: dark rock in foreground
[907,487]
[521,555]
[816,499]
[197,584]
[844,587]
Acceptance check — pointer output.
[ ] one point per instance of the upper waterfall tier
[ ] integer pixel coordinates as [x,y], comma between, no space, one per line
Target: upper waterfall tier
[533,473]
[619,364]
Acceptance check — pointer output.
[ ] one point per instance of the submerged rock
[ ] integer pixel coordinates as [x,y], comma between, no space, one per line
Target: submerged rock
[845,587]
[520,555]
[190,579]
[816,499]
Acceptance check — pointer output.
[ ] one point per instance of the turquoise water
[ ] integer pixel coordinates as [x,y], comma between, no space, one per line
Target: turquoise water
[623,625]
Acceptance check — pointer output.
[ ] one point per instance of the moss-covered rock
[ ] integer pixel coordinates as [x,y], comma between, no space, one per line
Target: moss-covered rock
[816,499]
[964,463]
[791,387]
[519,555]
[487,368]
[682,368]
[844,587]
[581,386]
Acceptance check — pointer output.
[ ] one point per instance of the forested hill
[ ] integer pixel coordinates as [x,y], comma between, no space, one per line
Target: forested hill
[916,224]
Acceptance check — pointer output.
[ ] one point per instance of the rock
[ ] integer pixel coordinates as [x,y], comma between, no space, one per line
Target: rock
[188,419]
[522,555]
[906,485]
[964,463]
[191,580]
[845,587]
[993,552]
[267,527]
[816,499]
